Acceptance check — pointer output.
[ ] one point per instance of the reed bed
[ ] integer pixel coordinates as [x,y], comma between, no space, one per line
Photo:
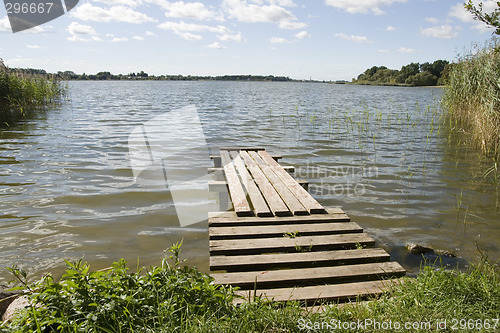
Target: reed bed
[20,90]
[472,98]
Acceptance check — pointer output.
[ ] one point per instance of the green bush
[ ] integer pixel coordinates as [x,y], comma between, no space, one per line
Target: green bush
[116,300]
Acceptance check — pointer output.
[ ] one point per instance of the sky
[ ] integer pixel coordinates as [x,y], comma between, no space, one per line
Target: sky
[313,39]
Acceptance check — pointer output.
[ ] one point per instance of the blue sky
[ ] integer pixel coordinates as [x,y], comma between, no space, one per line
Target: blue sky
[319,39]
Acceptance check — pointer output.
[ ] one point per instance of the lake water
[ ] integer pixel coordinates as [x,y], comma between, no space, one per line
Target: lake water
[67,189]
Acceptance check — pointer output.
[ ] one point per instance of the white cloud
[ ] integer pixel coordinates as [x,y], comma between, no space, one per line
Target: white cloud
[441,31]
[150,33]
[390,28]
[162,3]
[361,6]
[284,3]
[458,11]
[188,36]
[130,3]
[5,24]
[303,34]
[353,38]
[291,25]
[77,38]
[259,13]
[33,46]
[406,50]
[88,12]
[191,10]
[119,39]
[216,45]
[278,40]
[182,26]
[138,38]
[232,37]
[76,28]
[432,20]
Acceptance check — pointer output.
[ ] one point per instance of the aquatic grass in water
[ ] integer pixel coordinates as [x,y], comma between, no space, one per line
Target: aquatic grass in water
[472,98]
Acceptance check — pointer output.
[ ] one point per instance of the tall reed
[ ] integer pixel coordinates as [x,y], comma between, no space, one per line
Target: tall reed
[472,98]
[19,89]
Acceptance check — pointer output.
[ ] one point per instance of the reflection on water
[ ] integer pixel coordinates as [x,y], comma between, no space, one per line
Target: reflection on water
[67,189]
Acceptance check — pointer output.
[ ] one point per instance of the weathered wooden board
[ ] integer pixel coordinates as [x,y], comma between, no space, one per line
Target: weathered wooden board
[236,191]
[272,197]
[286,244]
[231,219]
[288,197]
[305,198]
[319,294]
[230,214]
[296,260]
[266,231]
[309,276]
[257,200]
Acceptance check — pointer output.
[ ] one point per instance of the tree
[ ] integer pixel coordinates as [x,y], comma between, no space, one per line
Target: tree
[103,75]
[407,71]
[491,19]
[422,79]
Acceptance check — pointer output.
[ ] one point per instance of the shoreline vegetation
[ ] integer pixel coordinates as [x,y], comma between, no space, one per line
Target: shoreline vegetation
[22,89]
[472,100]
[411,75]
[174,297]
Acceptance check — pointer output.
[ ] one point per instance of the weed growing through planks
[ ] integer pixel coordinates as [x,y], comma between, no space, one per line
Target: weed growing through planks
[291,234]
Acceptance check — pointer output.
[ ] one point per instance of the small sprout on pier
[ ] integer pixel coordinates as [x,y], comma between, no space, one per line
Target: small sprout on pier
[291,234]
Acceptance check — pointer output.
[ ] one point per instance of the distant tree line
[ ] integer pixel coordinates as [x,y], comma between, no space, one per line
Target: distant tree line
[414,74]
[69,75]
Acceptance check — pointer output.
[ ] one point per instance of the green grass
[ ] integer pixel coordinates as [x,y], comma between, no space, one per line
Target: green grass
[20,90]
[176,298]
[472,99]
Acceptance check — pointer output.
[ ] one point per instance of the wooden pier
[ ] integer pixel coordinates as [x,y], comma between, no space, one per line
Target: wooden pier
[280,243]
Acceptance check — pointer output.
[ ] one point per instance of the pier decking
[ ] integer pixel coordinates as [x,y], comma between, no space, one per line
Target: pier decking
[281,244]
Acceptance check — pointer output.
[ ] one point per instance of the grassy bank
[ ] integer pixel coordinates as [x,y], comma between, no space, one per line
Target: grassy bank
[472,99]
[171,298]
[20,90]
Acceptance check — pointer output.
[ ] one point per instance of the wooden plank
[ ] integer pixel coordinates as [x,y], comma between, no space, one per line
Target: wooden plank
[305,198]
[257,200]
[286,244]
[319,294]
[307,229]
[238,196]
[288,197]
[231,148]
[274,201]
[220,221]
[231,214]
[297,260]
[217,161]
[302,182]
[309,276]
